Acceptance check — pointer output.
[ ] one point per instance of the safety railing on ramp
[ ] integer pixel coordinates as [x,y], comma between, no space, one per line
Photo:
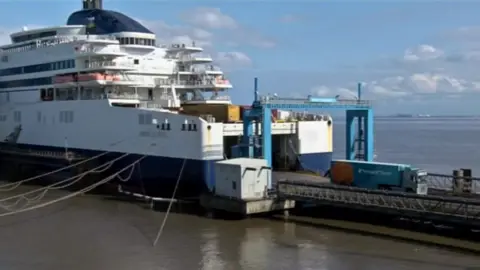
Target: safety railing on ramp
[447,210]
[445,182]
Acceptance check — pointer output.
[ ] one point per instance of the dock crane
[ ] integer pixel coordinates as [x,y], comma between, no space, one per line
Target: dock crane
[260,145]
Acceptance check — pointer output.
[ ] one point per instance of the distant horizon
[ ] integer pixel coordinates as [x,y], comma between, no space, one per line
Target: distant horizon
[405,116]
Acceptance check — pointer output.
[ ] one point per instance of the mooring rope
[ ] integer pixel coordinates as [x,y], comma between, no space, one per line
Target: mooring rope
[73,194]
[160,231]
[12,186]
[55,186]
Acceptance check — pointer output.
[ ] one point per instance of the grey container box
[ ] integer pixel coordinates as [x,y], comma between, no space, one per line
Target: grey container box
[242,178]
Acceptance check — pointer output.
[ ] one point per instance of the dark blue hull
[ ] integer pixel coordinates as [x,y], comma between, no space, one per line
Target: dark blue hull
[154,175]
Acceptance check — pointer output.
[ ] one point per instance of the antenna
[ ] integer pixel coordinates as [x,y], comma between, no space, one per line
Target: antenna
[92,4]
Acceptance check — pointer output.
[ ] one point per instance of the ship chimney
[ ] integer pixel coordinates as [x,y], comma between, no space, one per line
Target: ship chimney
[92,4]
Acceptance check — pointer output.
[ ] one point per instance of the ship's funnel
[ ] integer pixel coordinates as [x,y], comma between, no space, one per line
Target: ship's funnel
[92,4]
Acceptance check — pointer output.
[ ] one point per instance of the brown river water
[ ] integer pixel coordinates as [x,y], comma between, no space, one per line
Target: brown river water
[89,232]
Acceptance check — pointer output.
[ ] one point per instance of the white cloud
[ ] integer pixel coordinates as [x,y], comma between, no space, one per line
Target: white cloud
[233,59]
[232,33]
[422,72]
[210,18]
[167,33]
[422,52]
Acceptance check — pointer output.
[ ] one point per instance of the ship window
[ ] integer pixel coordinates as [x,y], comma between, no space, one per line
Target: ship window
[26,82]
[34,36]
[35,68]
[148,119]
[136,61]
[141,41]
[131,40]
[17,116]
[42,94]
[66,116]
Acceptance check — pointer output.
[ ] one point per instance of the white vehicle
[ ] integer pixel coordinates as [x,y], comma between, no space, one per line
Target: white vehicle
[100,83]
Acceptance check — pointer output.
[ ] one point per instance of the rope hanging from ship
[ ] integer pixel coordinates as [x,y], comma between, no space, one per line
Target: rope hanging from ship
[12,186]
[59,185]
[76,193]
[164,222]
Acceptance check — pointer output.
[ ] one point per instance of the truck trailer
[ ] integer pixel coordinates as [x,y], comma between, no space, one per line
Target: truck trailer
[378,175]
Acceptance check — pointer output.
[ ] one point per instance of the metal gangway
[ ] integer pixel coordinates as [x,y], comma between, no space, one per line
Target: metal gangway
[459,211]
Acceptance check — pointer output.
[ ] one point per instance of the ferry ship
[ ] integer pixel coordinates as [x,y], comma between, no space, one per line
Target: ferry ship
[101,83]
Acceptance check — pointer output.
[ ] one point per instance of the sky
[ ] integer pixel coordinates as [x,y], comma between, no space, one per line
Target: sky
[419,57]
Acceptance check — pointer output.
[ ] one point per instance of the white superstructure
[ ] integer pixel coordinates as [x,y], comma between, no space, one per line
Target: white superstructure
[101,83]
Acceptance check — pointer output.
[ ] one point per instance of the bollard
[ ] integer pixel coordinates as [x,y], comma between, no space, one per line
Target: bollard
[457,184]
[467,181]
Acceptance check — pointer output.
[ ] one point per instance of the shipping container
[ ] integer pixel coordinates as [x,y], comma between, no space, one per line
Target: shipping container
[370,175]
[221,112]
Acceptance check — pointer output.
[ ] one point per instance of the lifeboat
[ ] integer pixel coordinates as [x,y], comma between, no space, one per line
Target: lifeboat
[89,77]
[221,80]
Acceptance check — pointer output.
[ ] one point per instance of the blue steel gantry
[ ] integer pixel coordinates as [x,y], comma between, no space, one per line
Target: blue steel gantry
[260,146]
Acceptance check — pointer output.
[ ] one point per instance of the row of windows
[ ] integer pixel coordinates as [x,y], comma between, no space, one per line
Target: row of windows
[65,117]
[58,65]
[136,41]
[34,36]
[21,47]
[26,82]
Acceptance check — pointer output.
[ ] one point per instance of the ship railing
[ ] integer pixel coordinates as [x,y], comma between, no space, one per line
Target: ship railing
[195,57]
[180,46]
[191,82]
[122,96]
[199,69]
[95,37]
[97,50]
[277,100]
[150,105]
[97,64]
[450,183]
[226,98]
